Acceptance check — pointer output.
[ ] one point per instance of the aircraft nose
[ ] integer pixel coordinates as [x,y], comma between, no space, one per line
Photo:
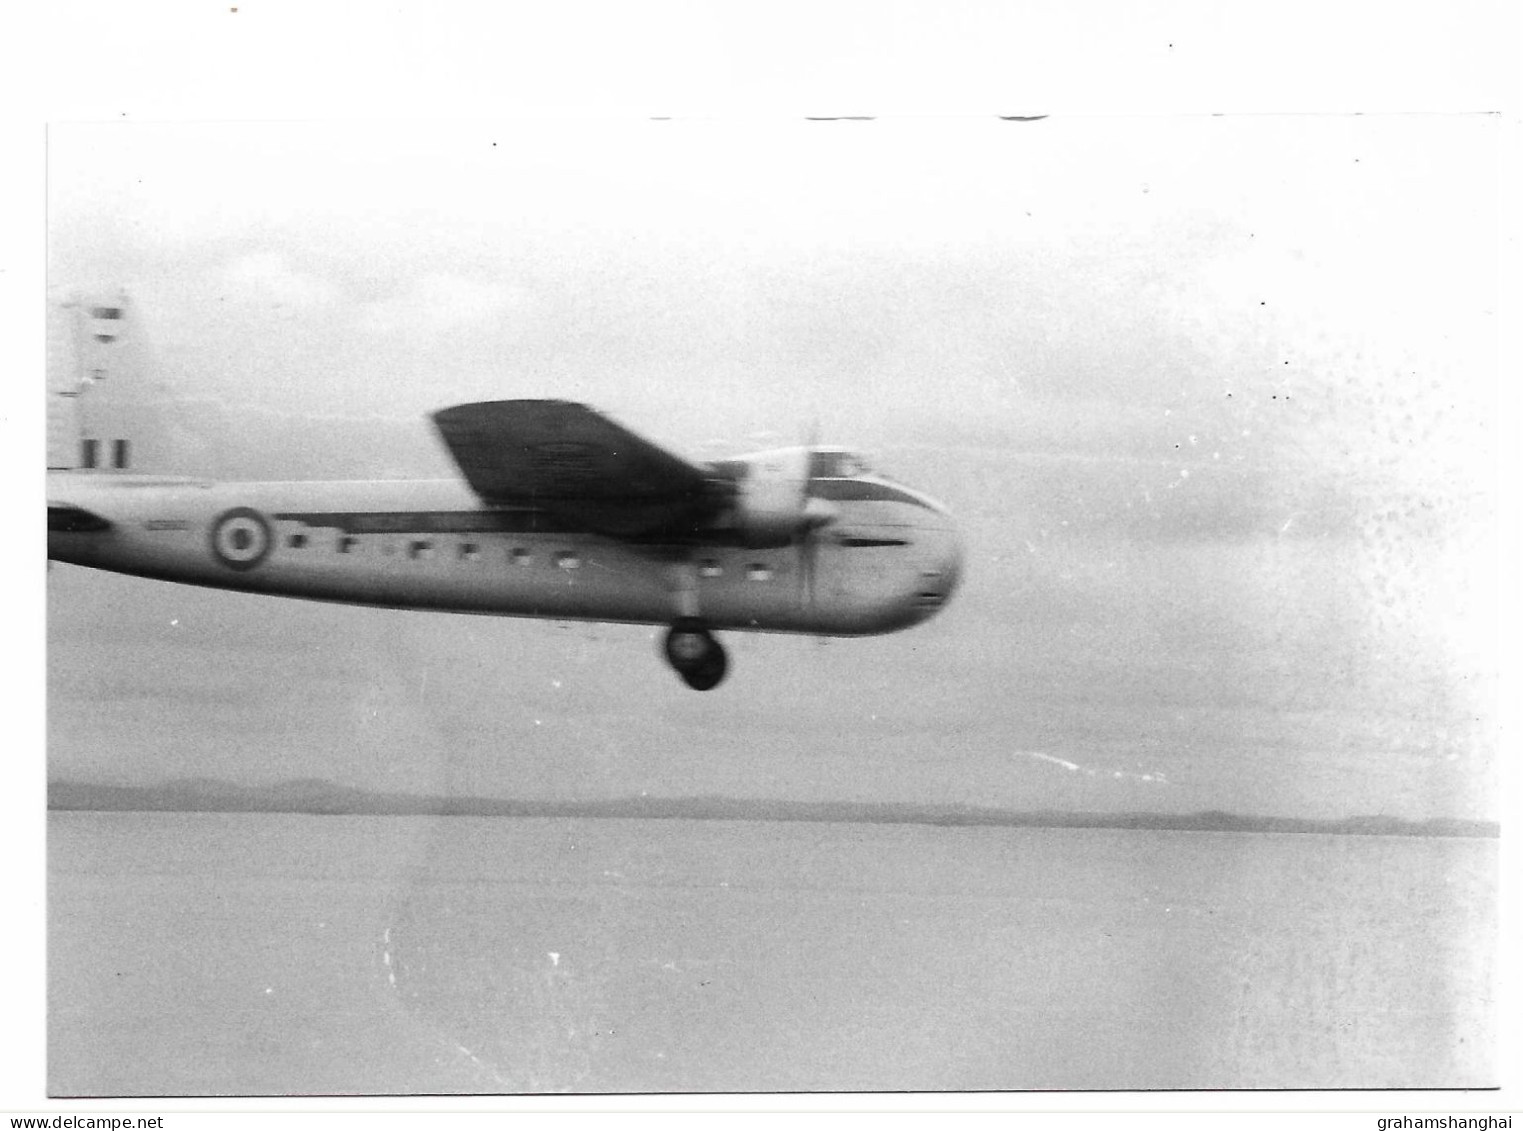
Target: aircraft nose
[940,573]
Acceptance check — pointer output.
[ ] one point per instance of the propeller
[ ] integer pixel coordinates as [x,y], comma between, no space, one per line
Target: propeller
[814,516]
[770,507]
[806,563]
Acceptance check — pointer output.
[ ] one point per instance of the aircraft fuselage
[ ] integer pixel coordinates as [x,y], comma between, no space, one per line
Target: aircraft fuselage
[890,558]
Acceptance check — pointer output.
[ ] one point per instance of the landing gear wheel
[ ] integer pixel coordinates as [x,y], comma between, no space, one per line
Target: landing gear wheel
[697,657]
[708,674]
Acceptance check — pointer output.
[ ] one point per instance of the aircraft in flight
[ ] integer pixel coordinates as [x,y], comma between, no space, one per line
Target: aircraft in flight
[560,513]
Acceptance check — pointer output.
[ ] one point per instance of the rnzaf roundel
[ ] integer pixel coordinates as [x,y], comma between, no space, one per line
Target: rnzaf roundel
[241,538]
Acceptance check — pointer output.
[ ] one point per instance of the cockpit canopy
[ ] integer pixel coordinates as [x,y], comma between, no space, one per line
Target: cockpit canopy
[837,463]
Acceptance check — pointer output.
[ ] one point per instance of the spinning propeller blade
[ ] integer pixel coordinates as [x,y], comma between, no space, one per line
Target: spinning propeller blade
[814,515]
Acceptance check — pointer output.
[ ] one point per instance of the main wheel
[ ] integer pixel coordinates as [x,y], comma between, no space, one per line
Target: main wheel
[708,674]
[688,643]
[695,655]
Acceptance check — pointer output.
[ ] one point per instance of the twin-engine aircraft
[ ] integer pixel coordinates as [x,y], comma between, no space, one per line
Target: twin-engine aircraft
[562,514]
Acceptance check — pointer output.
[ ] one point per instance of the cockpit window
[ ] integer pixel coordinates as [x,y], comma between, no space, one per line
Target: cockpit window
[838,465]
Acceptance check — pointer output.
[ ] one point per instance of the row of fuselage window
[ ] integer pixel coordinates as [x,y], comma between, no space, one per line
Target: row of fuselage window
[422,549]
[89,454]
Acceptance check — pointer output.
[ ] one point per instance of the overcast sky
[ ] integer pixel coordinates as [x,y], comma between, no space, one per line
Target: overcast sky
[1210,397]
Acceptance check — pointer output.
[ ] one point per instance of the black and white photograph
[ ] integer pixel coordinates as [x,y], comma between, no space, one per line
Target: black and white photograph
[758,604]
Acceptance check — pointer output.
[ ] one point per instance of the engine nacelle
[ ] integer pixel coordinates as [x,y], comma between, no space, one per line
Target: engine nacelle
[771,505]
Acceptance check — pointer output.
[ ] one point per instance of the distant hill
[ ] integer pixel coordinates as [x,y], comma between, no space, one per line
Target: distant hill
[309,795]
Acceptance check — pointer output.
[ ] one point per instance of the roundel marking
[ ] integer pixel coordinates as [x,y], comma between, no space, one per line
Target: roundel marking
[241,538]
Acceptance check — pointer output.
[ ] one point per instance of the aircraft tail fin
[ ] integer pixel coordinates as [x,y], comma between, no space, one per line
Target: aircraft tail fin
[104,408]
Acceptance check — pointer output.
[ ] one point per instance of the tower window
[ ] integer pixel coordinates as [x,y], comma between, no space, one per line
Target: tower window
[711,568]
[119,452]
[296,541]
[420,550]
[756,571]
[89,453]
[469,551]
[568,560]
[520,556]
[347,544]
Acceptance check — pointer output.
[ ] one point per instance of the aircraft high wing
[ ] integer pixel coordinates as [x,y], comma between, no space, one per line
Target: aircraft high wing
[577,464]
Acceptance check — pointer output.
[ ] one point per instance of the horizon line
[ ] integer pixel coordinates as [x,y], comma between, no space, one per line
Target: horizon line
[327,798]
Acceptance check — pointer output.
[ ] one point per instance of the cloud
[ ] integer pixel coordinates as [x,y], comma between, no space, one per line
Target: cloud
[436,303]
[267,277]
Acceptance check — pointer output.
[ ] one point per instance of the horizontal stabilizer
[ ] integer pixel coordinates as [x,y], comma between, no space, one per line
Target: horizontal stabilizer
[75,520]
[572,462]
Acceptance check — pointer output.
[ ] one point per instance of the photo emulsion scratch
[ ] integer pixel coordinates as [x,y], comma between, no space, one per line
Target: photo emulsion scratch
[707,605]
[1091,771]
